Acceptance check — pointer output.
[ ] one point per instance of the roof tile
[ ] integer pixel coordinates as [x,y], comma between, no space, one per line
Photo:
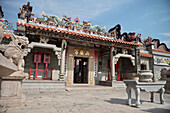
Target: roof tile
[163,51]
[80,34]
[145,55]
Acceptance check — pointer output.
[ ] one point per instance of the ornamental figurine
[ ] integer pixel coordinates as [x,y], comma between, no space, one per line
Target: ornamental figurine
[61,22]
[15,50]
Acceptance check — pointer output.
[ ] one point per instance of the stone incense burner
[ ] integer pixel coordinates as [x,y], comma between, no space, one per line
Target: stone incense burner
[145,75]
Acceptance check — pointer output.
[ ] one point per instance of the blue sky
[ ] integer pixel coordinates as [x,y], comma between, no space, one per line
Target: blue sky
[148,17]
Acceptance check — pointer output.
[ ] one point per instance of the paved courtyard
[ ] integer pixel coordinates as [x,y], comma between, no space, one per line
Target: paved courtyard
[88,102]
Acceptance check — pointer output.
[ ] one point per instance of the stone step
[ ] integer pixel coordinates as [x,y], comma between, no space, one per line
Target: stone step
[48,85]
[92,88]
[88,88]
[105,83]
[43,85]
[116,84]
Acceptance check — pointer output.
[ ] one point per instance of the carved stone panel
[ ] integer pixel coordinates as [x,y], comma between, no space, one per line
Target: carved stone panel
[91,70]
[70,69]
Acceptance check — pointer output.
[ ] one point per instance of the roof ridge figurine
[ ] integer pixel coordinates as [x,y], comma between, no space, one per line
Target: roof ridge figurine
[25,12]
[62,21]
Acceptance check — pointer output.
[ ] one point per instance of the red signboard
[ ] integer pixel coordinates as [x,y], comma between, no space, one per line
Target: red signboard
[96,62]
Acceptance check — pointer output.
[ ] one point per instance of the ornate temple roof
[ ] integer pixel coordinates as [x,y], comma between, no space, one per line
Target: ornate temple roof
[161,46]
[78,34]
[158,47]
[52,25]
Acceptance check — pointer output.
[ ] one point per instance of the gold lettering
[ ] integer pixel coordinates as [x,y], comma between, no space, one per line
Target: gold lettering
[70,55]
[81,52]
[76,51]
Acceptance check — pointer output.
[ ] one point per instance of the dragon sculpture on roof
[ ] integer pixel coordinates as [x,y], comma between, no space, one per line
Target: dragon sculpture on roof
[62,21]
[93,28]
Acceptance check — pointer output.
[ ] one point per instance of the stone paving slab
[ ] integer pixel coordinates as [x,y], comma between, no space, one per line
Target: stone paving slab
[88,102]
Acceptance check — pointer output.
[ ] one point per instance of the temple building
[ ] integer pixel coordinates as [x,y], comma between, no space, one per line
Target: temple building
[80,53]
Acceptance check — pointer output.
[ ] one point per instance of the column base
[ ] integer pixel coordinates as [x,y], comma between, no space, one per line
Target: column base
[11,90]
[61,78]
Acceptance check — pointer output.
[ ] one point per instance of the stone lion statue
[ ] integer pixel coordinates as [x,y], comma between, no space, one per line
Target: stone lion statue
[165,73]
[15,50]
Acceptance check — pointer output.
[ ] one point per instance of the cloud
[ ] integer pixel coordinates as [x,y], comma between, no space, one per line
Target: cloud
[165,34]
[165,19]
[84,9]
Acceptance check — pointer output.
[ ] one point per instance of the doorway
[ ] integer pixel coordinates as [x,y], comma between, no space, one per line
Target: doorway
[80,70]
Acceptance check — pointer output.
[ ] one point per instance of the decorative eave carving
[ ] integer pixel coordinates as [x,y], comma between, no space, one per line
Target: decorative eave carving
[42,45]
[125,56]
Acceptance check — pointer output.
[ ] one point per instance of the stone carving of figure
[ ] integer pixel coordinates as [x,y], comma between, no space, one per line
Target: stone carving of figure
[25,12]
[44,40]
[22,12]
[15,50]
[29,10]
[165,73]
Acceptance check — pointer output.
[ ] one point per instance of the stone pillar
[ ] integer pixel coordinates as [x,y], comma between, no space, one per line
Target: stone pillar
[63,52]
[137,52]
[112,56]
[11,90]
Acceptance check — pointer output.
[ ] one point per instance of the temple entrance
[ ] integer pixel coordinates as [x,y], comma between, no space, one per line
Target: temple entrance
[80,70]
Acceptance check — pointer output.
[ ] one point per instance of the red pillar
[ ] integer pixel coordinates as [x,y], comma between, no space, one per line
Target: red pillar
[36,70]
[109,76]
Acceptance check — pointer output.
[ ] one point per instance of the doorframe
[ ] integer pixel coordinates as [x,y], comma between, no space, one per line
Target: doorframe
[88,67]
[75,52]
